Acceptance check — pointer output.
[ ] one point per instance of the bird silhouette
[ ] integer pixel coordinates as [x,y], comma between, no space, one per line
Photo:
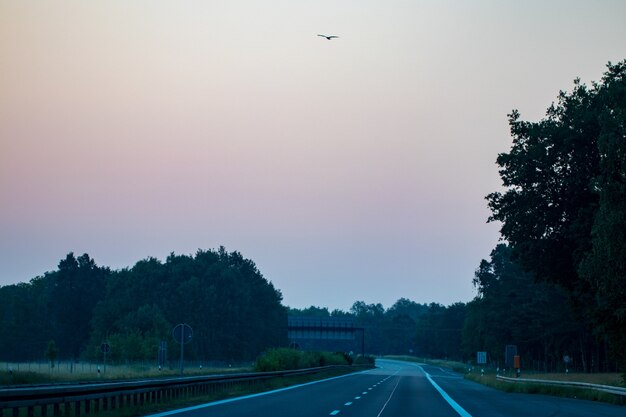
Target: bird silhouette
[329,37]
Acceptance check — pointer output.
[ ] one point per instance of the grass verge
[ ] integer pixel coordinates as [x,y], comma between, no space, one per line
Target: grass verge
[31,377]
[538,388]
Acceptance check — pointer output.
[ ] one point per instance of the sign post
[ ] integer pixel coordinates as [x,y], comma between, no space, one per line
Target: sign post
[509,355]
[567,359]
[182,334]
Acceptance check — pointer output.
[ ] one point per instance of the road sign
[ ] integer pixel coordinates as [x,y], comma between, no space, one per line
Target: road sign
[481,358]
[182,333]
[509,355]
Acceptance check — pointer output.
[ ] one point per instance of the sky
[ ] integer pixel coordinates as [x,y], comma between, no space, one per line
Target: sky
[350,169]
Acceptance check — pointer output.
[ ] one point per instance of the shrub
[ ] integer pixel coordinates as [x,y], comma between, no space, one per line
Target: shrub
[365,360]
[283,359]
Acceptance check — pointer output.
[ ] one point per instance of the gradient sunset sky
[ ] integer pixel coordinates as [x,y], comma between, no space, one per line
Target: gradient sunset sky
[350,169]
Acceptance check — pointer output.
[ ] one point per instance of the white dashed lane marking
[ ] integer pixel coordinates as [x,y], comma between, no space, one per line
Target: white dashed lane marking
[335,412]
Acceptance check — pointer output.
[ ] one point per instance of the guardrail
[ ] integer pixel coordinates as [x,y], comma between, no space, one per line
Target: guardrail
[605,388]
[90,398]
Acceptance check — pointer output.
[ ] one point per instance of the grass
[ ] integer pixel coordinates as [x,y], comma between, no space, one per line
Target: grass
[538,388]
[613,379]
[38,373]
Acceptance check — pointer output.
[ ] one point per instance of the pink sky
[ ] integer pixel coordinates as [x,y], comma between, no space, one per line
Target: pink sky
[351,169]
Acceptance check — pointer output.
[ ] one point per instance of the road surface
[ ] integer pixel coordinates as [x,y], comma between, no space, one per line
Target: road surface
[398,389]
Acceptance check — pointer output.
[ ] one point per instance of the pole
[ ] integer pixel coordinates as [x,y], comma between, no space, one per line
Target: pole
[182,344]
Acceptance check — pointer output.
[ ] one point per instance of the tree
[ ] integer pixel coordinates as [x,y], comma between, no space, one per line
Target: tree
[371,318]
[511,308]
[604,266]
[312,311]
[564,203]
[77,286]
[439,331]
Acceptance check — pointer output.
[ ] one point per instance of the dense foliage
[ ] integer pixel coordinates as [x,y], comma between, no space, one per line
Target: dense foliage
[511,308]
[285,359]
[55,307]
[235,313]
[563,210]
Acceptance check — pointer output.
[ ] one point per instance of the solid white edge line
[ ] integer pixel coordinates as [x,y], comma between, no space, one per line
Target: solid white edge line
[245,397]
[446,397]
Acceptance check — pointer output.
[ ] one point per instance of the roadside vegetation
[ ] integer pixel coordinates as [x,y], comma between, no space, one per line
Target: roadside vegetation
[35,373]
[489,379]
[280,359]
[285,359]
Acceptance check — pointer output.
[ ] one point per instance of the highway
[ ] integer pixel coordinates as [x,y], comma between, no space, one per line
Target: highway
[398,389]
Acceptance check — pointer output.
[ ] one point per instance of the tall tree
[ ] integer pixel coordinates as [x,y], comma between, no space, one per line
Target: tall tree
[604,266]
[76,288]
[564,180]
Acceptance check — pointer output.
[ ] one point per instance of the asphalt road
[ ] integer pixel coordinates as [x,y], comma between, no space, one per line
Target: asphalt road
[398,389]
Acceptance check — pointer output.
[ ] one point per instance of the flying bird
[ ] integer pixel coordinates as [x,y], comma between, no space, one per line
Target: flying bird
[329,37]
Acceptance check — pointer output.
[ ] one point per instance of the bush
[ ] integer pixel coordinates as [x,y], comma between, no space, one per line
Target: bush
[365,360]
[283,359]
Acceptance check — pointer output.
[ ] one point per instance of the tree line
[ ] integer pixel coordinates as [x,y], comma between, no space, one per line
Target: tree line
[235,313]
[405,328]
